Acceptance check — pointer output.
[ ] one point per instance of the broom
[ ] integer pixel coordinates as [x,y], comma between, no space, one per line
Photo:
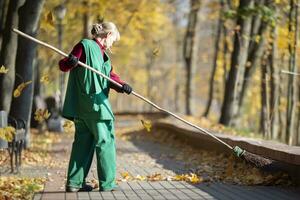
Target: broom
[250,158]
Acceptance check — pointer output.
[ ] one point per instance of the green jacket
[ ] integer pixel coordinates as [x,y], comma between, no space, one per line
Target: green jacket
[87,93]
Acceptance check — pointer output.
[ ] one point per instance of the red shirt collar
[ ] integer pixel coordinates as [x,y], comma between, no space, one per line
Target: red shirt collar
[100,45]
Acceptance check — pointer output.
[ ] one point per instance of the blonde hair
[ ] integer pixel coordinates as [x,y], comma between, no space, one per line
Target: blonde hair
[102,29]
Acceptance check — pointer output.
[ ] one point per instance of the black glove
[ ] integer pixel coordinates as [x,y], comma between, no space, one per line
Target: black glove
[126,88]
[72,60]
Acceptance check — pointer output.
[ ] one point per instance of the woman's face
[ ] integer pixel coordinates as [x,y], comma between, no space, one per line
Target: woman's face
[109,40]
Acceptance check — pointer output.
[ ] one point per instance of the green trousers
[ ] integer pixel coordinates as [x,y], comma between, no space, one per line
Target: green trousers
[91,135]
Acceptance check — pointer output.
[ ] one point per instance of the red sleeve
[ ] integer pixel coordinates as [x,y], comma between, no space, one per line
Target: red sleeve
[116,78]
[78,52]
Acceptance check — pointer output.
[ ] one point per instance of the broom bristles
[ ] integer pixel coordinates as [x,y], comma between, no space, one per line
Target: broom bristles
[256,160]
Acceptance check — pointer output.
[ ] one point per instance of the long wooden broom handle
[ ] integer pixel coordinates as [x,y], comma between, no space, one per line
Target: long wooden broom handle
[119,85]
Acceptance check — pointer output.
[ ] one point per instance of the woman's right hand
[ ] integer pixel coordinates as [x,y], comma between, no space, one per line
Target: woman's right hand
[72,60]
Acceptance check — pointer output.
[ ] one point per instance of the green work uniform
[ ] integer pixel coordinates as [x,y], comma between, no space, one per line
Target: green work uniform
[87,104]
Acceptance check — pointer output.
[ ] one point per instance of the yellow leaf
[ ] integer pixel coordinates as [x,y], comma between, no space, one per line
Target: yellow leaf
[41,115]
[19,89]
[155,51]
[147,125]
[50,19]
[192,178]
[126,176]
[178,177]
[3,70]
[68,126]
[155,177]
[45,79]
[140,178]
[17,93]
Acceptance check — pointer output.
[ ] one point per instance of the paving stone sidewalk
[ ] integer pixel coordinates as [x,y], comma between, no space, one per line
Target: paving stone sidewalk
[145,159]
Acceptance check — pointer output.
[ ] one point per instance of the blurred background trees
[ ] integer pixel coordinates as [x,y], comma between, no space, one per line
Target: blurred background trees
[231,61]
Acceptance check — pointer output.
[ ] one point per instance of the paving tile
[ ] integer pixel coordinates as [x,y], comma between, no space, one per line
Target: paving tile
[166,184]
[95,195]
[243,192]
[53,196]
[156,185]
[37,196]
[71,196]
[83,196]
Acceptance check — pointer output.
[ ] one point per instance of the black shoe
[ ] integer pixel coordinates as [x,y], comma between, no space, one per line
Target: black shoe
[85,188]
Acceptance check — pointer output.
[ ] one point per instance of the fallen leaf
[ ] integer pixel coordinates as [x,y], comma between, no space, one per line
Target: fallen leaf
[68,126]
[155,51]
[147,125]
[155,177]
[126,176]
[50,19]
[3,70]
[140,178]
[41,115]
[19,89]
[45,79]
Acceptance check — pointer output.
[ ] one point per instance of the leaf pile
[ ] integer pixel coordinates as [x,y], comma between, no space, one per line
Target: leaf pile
[19,188]
[191,177]
[38,155]
[7,133]
[209,165]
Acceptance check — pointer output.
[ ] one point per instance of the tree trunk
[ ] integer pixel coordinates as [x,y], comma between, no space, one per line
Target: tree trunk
[8,54]
[215,59]
[189,51]
[238,61]
[178,80]
[29,15]
[282,116]
[256,49]
[275,82]
[86,19]
[292,80]
[225,55]
[265,112]
[3,9]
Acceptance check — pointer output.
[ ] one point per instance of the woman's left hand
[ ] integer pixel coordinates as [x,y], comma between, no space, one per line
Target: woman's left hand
[126,88]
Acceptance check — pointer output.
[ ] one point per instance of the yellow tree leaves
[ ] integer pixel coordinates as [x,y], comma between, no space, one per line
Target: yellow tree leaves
[41,115]
[19,89]
[7,133]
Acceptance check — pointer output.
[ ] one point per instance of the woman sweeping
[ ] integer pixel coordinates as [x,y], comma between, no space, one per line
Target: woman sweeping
[86,103]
